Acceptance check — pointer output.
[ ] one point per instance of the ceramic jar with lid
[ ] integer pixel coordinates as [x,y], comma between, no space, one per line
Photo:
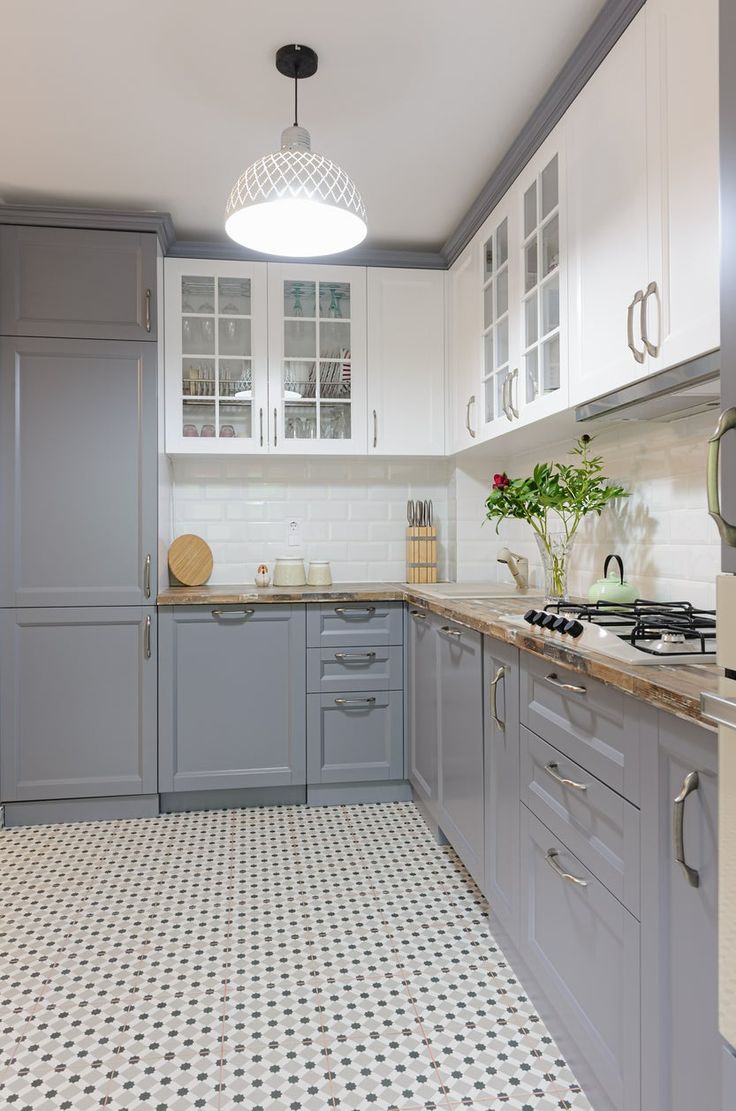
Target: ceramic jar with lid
[319,573]
[289,571]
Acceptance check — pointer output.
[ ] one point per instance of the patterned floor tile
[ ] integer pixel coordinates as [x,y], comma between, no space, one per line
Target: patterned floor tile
[367,1008]
[276,1076]
[393,1072]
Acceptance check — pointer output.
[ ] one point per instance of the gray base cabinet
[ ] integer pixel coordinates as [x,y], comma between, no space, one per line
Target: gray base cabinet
[77,283]
[728,1076]
[78,473]
[460,804]
[501,748]
[232,697]
[77,703]
[422,682]
[681,1047]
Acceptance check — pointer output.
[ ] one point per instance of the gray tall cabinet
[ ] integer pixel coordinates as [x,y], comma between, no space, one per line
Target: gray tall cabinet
[78,543]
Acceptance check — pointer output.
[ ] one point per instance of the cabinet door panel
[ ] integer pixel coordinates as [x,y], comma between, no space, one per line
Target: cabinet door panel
[78,703]
[501,745]
[607,175]
[461,745]
[359,669]
[406,362]
[78,472]
[67,282]
[465,324]
[355,737]
[422,701]
[344,625]
[233,695]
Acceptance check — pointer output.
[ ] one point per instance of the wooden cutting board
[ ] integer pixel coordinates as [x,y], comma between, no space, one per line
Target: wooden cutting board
[190,560]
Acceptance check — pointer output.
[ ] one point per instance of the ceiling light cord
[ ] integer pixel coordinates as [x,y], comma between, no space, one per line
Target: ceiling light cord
[296,95]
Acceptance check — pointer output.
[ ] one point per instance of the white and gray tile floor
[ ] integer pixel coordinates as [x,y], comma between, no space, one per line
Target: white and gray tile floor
[279,959]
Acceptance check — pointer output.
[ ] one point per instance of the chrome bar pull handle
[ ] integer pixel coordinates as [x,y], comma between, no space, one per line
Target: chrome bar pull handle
[638,298]
[355,612]
[233,613]
[494,698]
[147,576]
[355,701]
[450,632]
[513,377]
[147,638]
[275,427]
[471,401]
[552,769]
[147,303]
[375,428]
[505,396]
[419,613]
[573,688]
[652,348]
[347,656]
[689,784]
[726,422]
[260,421]
[551,858]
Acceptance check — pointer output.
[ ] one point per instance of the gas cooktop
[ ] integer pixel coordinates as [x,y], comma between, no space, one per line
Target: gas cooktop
[637,632]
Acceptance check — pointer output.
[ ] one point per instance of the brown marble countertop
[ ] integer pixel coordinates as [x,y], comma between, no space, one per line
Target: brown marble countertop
[676,689]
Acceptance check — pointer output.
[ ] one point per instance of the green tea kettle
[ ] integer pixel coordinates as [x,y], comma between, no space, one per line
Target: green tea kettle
[613,587]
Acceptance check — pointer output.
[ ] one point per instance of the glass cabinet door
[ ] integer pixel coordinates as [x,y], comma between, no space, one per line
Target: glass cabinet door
[317,356]
[215,356]
[497,337]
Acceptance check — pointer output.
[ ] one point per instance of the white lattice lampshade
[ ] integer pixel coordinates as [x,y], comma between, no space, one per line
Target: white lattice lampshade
[295,202]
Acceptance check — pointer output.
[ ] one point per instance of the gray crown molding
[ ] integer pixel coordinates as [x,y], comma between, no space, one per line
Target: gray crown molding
[601,36]
[100,219]
[358,256]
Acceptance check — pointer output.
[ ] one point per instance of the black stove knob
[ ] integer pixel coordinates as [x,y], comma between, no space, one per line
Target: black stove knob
[559,623]
[573,628]
[530,615]
[539,617]
[548,620]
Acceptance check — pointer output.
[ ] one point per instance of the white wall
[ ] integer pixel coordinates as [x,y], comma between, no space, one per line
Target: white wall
[669,544]
[353,512]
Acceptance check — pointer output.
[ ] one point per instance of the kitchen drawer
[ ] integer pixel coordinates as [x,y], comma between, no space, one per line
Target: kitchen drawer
[355,737]
[332,671]
[592,724]
[598,825]
[354,624]
[583,947]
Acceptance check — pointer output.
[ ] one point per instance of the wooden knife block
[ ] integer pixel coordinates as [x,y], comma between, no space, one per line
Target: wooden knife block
[421,554]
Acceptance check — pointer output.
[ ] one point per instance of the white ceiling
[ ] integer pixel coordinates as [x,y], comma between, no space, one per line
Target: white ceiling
[161,104]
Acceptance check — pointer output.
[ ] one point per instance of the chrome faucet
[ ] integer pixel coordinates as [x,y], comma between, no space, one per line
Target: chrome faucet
[518,566]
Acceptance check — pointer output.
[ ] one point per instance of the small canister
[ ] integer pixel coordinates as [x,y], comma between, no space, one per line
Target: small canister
[319,573]
[289,571]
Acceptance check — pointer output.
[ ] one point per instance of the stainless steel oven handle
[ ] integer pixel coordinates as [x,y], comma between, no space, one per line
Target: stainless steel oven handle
[689,784]
[572,687]
[551,858]
[552,769]
[726,422]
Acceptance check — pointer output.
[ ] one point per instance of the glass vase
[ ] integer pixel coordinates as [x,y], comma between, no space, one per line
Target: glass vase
[555,555]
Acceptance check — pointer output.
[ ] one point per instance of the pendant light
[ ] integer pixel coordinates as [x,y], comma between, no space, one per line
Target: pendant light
[295,202]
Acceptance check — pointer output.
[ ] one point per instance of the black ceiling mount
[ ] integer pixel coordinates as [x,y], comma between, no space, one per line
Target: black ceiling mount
[296,60]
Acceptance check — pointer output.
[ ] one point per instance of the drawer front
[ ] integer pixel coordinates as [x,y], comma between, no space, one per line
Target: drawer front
[583,947]
[598,825]
[355,737]
[594,725]
[354,624]
[332,671]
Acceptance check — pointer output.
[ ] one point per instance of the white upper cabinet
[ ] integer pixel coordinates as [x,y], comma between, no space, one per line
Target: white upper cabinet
[682,126]
[499,278]
[406,361]
[465,326]
[216,356]
[643,196]
[317,359]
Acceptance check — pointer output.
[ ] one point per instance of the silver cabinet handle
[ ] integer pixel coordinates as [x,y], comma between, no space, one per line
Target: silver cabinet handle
[652,348]
[514,376]
[260,421]
[494,697]
[638,298]
[418,613]
[375,428]
[719,710]
[147,576]
[233,613]
[551,858]
[148,310]
[572,687]
[275,427]
[354,701]
[552,769]
[147,638]
[689,784]
[355,656]
[505,396]
[726,422]
[471,401]
[355,612]
[450,632]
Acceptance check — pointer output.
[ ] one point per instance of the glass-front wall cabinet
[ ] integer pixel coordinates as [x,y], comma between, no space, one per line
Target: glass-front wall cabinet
[498,294]
[317,358]
[216,356]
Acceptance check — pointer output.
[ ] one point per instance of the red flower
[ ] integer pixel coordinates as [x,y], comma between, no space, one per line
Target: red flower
[500,481]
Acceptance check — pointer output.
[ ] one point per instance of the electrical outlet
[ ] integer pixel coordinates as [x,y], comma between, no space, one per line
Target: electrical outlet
[294,531]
